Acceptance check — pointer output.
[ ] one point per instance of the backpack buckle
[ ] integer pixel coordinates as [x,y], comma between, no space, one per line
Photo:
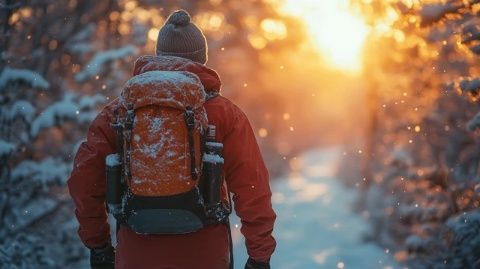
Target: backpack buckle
[117,124]
[189,117]
[217,213]
[130,117]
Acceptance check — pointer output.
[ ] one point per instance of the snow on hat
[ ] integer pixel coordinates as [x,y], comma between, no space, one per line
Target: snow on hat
[180,37]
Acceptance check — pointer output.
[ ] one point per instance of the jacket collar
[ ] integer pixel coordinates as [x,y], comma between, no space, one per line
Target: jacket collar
[209,78]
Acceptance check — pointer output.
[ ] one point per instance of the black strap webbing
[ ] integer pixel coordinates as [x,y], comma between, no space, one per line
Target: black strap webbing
[118,126]
[190,121]
[127,136]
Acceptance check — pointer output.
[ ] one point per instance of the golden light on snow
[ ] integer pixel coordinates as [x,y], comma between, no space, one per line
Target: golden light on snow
[262,132]
[336,31]
[25,12]
[131,5]
[210,21]
[153,34]
[274,29]
[257,41]
[124,28]
[114,15]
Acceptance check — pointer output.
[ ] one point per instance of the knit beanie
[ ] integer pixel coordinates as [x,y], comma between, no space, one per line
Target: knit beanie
[180,37]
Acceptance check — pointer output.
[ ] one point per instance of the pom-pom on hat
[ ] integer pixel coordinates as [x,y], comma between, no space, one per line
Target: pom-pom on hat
[180,37]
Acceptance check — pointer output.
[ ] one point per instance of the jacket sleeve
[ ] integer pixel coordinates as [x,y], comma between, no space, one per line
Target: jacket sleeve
[87,183]
[247,178]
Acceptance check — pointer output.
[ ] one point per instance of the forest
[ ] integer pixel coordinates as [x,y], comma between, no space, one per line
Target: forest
[420,167]
[393,85]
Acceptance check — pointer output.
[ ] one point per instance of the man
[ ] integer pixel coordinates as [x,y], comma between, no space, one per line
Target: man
[245,175]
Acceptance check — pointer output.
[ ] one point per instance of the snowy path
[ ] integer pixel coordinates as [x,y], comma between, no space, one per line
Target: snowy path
[315,226]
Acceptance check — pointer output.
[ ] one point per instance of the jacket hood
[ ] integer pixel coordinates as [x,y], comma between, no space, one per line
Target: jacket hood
[209,78]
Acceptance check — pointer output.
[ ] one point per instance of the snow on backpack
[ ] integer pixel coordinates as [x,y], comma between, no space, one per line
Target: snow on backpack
[155,183]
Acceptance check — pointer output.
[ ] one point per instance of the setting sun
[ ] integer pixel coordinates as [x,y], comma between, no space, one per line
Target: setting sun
[333,28]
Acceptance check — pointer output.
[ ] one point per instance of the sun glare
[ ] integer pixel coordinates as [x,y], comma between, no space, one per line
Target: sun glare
[333,28]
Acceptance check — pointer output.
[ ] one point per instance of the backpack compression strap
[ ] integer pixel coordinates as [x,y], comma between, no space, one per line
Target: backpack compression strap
[127,136]
[118,125]
[190,121]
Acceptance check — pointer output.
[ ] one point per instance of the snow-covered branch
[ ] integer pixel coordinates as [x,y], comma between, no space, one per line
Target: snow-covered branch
[11,75]
[433,13]
[96,64]
[54,114]
[6,148]
[44,172]
[21,109]
[474,123]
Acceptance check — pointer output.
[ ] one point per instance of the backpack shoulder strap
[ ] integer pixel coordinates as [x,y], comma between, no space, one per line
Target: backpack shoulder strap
[123,125]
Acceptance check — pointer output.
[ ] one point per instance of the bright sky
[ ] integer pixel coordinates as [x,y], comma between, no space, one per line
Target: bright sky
[338,33]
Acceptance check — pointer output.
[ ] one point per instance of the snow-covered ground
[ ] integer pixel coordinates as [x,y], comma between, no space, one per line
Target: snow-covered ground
[315,226]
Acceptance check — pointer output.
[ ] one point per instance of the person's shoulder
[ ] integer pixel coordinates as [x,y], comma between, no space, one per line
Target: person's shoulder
[227,106]
[109,109]
[107,113]
[224,114]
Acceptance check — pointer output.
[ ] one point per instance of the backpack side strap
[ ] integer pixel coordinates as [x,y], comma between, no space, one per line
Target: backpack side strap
[127,136]
[190,121]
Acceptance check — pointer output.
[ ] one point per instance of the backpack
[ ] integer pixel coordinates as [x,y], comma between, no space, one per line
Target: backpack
[155,186]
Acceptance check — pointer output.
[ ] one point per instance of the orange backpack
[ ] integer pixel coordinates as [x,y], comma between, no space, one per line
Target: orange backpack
[164,153]
[161,122]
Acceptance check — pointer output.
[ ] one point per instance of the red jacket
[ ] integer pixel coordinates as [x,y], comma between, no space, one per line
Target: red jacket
[245,174]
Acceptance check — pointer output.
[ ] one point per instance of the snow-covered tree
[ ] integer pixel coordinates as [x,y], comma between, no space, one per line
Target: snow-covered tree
[421,61]
[44,115]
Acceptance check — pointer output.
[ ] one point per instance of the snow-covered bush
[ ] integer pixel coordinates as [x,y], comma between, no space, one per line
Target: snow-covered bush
[17,256]
[27,177]
[43,116]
